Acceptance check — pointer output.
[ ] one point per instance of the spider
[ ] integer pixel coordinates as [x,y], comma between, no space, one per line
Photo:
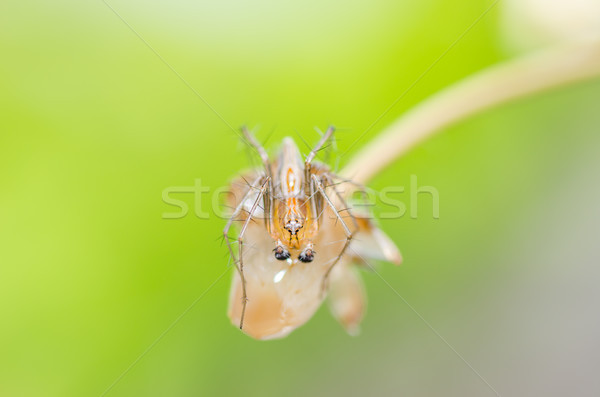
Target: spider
[295,206]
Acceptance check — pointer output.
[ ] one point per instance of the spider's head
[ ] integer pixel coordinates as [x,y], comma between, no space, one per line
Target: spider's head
[292,226]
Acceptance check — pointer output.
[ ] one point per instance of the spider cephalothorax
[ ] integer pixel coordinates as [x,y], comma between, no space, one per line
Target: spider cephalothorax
[292,216]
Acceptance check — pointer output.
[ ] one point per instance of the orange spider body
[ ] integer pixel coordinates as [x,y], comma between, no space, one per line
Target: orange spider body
[292,217]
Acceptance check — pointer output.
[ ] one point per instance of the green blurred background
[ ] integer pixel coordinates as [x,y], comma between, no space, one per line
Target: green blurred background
[93,127]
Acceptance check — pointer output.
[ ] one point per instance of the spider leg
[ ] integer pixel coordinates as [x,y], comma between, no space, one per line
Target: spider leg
[236,212]
[239,262]
[268,195]
[347,231]
[324,138]
[309,189]
[241,248]
[328,177]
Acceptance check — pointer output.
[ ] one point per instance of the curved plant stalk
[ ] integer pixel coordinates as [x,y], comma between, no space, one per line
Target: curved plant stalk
[491,87]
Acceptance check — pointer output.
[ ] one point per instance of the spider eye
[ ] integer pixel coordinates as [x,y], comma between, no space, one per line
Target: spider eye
[293,226]
[281,253]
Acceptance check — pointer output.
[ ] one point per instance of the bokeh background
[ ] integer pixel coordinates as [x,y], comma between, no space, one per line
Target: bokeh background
[93,127]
